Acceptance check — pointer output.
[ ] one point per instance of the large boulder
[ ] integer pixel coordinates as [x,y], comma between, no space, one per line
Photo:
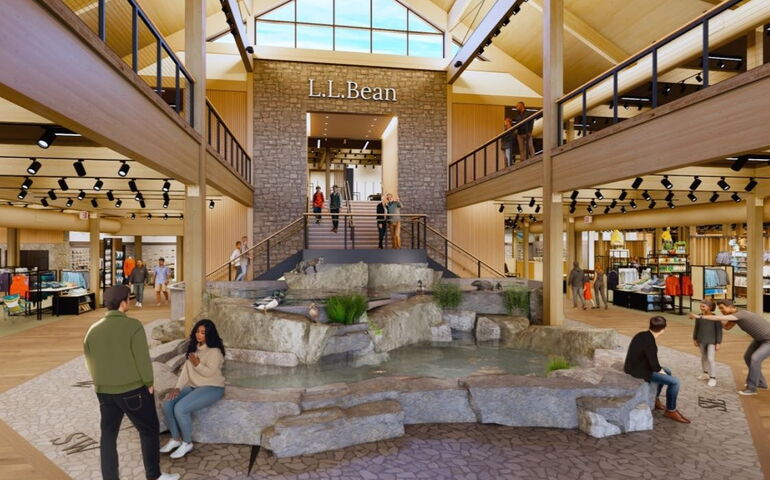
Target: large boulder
[167,351]
[601,417]
[261,357]
[483,302]
[435,400]
[577,344]
[243,327]
[487,330]
[169,330]
[338,277]
[441,333]
[164,379]
[609,358]
[333,428]
[390,276]
[460,320]
[346,395]
[510,325]
[348,343]
[404,323]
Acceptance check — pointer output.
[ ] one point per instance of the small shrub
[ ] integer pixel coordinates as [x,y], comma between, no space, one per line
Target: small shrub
[447,295]
[516,300]
[346,309]
[558,363]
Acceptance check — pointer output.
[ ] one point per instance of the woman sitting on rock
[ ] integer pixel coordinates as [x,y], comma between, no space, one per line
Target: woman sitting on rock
[200,384]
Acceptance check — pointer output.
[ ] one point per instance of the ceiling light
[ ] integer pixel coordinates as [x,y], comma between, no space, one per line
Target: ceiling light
[735,197]
[572,209]
[573,203]
[721,64]
[133,216]
[751,185]
[47,139]
[670,196]
[98,184]
[606,210]
[574,194]
[80,169]
[81,195]
[739,163]
[63,184]
[671,205]
[714,197]
[666,183]
[590,209]
[623,209]
[723,184]
[118,203]
[138,197]
[149,216]
[44,202]
[94,203]
[22,194]
[166,186]
[632,204]
[667,90]
[537,209]
[692,197]
[646,195]
[165,216]
[365,145]
[623,195]
[613,203]
[695,183]
[34,167]
[698,78]
[142,204]
[211,204]
[682,87]
[593,203]
[110,195]
[598,194]
[531,202]
[69,203]
[124,168]
[51,194]
[519,209]
[27,183]
[652,204]
[132,185]
[502,207]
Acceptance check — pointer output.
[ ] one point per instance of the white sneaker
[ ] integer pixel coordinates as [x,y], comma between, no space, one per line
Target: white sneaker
[712,382]
[170,445]
[169,476]
[139,304]
[703,376]
[182,450]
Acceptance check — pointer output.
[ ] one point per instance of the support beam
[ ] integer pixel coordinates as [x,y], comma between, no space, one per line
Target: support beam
[94,255]
[138,247]
[755,206]
[233,13]
[522,178]
[572,238]
[179,270]
[525,258]
[13,245]
[457,12]
[755,48]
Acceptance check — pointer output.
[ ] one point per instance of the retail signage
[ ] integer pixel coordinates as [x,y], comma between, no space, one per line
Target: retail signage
[84,215]
[351,91]
[588,219]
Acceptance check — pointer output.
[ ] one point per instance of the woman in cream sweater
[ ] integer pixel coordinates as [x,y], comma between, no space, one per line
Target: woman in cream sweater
[200,384]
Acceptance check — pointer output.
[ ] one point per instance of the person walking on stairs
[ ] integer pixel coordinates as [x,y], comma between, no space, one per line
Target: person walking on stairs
[394,219]
[707,336]
[576,281]
[235,261]
[335,202]
[318,203]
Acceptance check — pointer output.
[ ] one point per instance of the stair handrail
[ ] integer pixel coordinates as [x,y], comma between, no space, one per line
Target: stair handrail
[299,220]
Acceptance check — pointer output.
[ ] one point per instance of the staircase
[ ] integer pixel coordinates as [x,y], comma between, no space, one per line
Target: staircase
[320,236]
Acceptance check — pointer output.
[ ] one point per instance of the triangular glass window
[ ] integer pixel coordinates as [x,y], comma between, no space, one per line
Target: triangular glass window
[284,13]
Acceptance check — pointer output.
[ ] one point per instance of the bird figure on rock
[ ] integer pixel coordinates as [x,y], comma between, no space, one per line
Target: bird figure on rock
[268,306]
[313,312]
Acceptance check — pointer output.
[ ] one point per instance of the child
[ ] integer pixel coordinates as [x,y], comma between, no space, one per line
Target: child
[707,335]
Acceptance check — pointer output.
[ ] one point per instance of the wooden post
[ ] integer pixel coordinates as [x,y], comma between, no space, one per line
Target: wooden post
[13,244]
[525,259]
[138,248]
[94,278]
[755,206]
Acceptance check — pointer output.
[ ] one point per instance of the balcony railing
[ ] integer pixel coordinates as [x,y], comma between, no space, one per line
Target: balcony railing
[221,139]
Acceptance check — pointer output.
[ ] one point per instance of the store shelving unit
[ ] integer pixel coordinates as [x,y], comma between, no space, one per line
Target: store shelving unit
[665,264]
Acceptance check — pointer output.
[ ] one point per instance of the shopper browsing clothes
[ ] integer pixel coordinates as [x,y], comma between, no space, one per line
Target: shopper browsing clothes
[200,384]
[394,218]
[162,273]
[137,279]
[707,336]
[576,281]
[759,349]
[642,362]
[118,358]
[318,203]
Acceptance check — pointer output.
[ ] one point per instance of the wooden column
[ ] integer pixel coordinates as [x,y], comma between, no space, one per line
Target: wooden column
[571,239]
[194,249]
[13,243]
[755,205]
[179,271]
[525,258]
[138,248]
[94,277]
[553,221]
[755,48]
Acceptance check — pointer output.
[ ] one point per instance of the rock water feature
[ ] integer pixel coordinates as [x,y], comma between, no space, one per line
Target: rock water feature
[298,386]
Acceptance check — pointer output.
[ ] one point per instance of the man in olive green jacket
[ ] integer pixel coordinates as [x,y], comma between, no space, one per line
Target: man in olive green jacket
[118,359]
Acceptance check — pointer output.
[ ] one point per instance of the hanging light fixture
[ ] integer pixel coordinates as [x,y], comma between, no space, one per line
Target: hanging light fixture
[695,183]
[69,203]
[98,184]
[81,195]
[63,184]
[166,186]
[27,183]
[51,194]
[124,168]
[34,167]
[80,169]
[723,184]
[666,183]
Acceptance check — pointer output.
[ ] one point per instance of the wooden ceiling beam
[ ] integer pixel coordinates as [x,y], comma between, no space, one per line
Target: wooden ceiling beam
[457,12]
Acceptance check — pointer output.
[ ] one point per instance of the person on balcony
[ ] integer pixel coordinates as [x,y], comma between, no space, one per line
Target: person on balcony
[318,203]
[524,132]
[394,218]
[507,142]
[335,202]
[382,220]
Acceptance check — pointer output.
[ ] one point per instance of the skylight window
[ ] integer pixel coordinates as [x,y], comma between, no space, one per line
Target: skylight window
[367,26]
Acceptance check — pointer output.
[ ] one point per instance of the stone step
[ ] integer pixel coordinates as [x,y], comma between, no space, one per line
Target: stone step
[325,429]
[602,417]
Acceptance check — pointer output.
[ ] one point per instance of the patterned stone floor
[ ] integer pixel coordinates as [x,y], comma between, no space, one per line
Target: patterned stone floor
[717,445]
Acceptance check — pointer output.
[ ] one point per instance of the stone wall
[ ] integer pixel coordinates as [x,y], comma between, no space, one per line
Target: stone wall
[281,102]
[58,253]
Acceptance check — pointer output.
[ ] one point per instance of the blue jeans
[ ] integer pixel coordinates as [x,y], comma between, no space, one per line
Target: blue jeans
[673,387]
[178,412]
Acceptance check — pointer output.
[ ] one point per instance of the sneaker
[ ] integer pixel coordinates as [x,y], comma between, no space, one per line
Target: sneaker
[703,376]
[747,392]
[169,476]
[183,450]
[139,304]
[170,445]
[712,382]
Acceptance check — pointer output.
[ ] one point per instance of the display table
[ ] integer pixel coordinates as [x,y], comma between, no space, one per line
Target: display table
[70,305]
[637,300]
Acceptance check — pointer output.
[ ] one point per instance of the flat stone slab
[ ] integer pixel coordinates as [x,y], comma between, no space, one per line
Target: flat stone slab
[166,351]
[460,320]
[601,417]
[327,429]
[574,343]
[394,275]
[441,333]
[510,325]
[337,277]
[434,400]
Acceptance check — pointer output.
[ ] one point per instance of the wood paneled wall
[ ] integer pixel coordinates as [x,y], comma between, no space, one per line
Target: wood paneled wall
[479,229]
[473,125]
[225,225]
[37,236]
[232,106]
[703,250]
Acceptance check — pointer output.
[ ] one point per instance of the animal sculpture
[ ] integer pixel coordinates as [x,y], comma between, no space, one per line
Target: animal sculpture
[268,306]
[313,312]
[482,285]
[303,265]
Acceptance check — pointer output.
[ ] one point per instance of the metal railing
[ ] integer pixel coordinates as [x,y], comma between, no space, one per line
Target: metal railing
[221,139]
[492,156]
[656,89]
[127,30]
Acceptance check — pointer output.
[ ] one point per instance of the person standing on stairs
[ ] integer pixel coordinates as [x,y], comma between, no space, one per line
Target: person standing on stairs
[335,202]
[318,203]
[394,218]
[382,221]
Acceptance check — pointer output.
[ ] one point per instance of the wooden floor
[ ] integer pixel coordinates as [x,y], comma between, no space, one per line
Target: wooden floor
[30,353]
[678,335]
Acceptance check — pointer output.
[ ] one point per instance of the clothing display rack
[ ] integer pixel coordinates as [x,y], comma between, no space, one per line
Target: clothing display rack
[712,281]
[675,268]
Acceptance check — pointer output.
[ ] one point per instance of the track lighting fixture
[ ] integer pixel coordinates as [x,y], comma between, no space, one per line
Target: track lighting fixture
[632,204]
[652,205]
[138,197]
[166,186]
[124,168]
[574,194]
[606,210]
[692,197]
[63,184]
[537,209]
[110,195]
[69,203]
[47,139]
[739,163]
[667,90]
[695,183]
[44,202]
[51,194]
[118,203]
[80,169]
[646,195]
[519,209]
[590,209]
[599,194]
[593,203]
[98,184]
[736,197]
[671,205]
[573,203]
[34,167]
[699,78]
[751,185]
[506,22]
[721,64]
[21,194]
[211,204]
[149,216]
[132,185]
[714,197]
[165,216]
[457,65]
[165,204]
[94,203]
[670,196]
[572,209]
[142,204]
[27,183]
[623,195]
[531,202]
[613,203]
[682,87]
[502,207]
[81,195]
[623,209]
[133,216]
[666,183]
[723,184]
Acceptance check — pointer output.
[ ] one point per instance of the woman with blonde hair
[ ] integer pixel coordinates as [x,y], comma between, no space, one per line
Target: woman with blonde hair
[394,218]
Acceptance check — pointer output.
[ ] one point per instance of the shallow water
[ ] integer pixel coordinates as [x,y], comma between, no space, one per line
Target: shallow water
[458,359]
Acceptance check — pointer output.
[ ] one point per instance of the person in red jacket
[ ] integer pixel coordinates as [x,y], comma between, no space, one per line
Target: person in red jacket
[318,203]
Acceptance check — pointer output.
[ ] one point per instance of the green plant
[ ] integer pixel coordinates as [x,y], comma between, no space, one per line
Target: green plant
[346,309]
[447,295]
[516,299]
[557,363]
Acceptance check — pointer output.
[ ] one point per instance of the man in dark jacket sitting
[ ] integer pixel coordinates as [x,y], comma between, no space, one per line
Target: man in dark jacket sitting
[642,362]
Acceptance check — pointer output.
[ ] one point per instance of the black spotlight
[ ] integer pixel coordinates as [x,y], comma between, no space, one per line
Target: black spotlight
[751,185]
[458,64]
[735,197]
[698,78]
[739,163]
[165,203]
[572,209]
[80,169]
[166,186]
[613,203]
[695,183]
[632,204]
[519,209]
[149,216]
[637,183]
[670,196]
[34,167]
[667,90]
[671,205]
[593,203]
[573,203]
[666,183]
[623,209]
[132,185]
[63,184]
[652,204]
[124,168]
[646,195]
[723,184]
[138,197]
[133,216]
[606,210]
[502,207]
[81,195]
[118,203]
[692,197]
[590,209]
[531,202]
[142,204]
[22,194]
[714,197]
[94,203]
[721,64]
[165,216]
[211,204]
[47,139]
[110,195]
[574,194]
[69,203]
[44,202]
[623,195]
[27,183]
[598,194]
[537,209]
[98,185]
[51,194]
